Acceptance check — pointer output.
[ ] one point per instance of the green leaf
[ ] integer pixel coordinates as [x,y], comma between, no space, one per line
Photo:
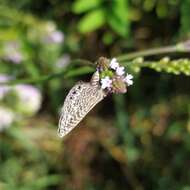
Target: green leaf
[118,17]
[92,21]
[118,26]
[81,6]
[121,10]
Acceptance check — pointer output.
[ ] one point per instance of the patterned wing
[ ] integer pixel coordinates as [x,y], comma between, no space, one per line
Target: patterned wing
[80,100]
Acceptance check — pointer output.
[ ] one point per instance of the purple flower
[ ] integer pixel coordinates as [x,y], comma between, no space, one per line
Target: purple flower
[106,82]
[112,76]
[54,37]
[120,71]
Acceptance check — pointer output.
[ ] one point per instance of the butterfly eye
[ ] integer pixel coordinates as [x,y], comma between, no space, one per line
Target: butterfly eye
[79,87]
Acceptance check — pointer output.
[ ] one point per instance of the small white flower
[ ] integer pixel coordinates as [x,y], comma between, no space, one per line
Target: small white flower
[128,79]
[114,64]
[106,82]
[120,71]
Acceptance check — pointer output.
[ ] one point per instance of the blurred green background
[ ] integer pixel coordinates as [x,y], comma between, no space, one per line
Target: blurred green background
[139,140]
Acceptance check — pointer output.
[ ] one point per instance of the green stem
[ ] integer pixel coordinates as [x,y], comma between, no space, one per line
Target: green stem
[124,59]
[66,73]
[182,47]
[149,52]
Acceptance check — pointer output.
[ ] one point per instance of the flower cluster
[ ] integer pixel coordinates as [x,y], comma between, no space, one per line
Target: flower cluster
[12,52]
[27,96]
[55,37]
[113,76]
[51,35]
[46,33]
[20,100]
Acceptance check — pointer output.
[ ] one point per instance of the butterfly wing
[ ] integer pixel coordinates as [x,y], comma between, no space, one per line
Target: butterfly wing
[80,100]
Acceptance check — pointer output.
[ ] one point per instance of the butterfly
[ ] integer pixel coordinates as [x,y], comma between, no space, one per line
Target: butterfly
[79,101]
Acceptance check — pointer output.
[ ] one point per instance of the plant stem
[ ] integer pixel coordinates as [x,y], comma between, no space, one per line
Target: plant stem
[149,52]
[66,73]
[88,65]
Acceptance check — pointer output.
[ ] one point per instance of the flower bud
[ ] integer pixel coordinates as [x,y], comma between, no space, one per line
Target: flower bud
[118,85]
[103,64]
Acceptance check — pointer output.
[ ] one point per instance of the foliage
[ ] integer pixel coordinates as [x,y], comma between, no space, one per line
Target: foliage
[139,140]
[101,12]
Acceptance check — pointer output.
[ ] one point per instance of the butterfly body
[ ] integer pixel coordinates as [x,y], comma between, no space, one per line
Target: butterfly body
[79,101]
